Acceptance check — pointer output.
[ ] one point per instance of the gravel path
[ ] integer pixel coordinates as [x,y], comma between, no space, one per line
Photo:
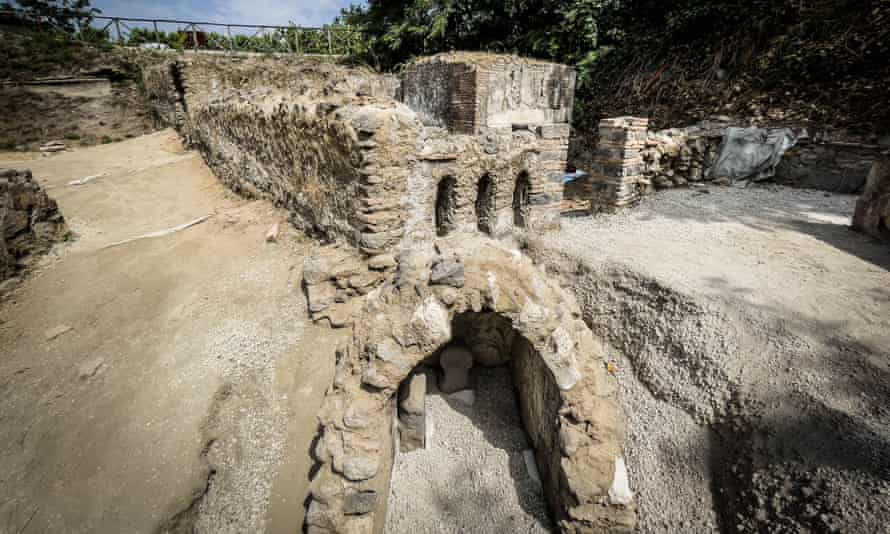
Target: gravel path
[472,476]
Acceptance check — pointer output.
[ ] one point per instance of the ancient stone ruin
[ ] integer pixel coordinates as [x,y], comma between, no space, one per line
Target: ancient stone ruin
[407,180]
[30,221]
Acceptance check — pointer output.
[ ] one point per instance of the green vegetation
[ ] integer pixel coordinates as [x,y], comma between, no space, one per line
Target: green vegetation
[674,60]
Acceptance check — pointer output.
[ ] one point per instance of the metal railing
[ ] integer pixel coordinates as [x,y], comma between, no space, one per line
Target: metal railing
[216,36]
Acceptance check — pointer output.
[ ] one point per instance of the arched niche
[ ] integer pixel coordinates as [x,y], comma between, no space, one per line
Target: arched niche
[446,206]
[485,204]
[521,193]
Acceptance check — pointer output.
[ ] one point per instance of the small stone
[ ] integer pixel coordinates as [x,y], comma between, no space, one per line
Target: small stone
[57,331]
[448,272]
[412,395]
[371,377]
[89,369]
[316,269]
[272,233]
[361,502]
[382,262]
[360,468]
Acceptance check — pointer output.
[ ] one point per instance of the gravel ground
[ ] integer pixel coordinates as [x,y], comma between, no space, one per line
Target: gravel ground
[472,476]
[751,330]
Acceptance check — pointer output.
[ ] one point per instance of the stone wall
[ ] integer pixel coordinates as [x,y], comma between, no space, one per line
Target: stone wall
[568,398]
[820,162]
[352,163]
[30,221]
[872,214]
[677,157]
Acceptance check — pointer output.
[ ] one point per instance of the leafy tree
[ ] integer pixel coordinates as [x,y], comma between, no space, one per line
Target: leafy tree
[67,15]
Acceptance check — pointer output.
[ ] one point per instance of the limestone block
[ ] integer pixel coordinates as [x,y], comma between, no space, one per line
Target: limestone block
[412,413]
[448,272]
[360,468]
[456,362]
[360,502]
[430,325]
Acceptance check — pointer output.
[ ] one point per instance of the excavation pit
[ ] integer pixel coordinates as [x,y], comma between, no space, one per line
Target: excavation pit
[516,322]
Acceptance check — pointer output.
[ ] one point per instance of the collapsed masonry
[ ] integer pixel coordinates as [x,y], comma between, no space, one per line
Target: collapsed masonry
[30,221]
[405,180]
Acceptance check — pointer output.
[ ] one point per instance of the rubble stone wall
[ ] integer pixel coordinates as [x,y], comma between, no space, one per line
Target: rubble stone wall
[30,221]
[679,157]
[568,399]
[838,167]
[351,162]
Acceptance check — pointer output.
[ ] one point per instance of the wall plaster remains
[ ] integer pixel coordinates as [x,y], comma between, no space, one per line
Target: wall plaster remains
[402,179]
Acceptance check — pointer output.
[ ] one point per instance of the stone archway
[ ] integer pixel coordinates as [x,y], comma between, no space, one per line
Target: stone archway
[446,206]
[568,397]
[521,200]
[485,204]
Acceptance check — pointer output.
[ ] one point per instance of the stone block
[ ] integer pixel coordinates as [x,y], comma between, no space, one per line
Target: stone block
[456,362]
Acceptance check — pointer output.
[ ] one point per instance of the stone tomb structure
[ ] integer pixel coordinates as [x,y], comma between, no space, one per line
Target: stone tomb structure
[406,182]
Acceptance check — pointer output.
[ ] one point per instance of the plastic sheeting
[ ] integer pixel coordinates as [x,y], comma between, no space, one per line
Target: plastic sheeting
[752,153]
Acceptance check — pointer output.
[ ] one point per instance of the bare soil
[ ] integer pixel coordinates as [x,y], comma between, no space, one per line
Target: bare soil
[161,384]
[79,118]
[750,329]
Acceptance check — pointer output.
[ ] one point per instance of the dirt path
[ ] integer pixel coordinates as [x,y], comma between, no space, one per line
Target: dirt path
[164,381]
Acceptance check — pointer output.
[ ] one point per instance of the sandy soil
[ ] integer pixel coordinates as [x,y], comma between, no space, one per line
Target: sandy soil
[472,476]
[77,117]
[161,383]
[751,328]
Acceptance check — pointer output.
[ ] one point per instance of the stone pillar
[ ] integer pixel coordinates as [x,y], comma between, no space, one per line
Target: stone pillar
[412,413]
[618,164]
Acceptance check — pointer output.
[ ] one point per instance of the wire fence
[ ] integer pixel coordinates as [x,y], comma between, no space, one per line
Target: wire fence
[211,36]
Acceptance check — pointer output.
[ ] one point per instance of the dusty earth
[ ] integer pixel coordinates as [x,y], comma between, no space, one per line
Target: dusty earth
[751,334]
[79,116]
[162,383]
[472,476]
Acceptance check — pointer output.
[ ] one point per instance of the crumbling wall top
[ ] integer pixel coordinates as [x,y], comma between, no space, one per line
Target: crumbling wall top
[467,92]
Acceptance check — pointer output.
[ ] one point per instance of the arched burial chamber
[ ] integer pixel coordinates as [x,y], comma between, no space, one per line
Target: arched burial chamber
[566,397]
[473,414]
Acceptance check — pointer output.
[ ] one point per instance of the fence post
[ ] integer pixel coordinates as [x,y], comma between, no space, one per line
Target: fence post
[117,27]
[297,32]
[157,35]
[330,44]
[195,37]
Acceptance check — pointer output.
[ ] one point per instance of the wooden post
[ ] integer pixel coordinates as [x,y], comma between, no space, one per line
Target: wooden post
[117,27]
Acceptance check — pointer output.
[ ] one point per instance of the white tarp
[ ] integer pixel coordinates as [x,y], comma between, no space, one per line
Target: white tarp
[752,153]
